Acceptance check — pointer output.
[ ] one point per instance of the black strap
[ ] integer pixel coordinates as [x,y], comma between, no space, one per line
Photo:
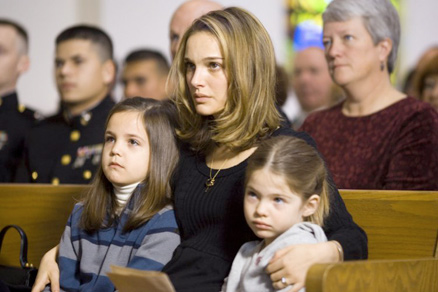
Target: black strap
[23,243]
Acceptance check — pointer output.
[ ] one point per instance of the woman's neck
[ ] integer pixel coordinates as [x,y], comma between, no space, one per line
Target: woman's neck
[222,157]
[370,96]
[123,193]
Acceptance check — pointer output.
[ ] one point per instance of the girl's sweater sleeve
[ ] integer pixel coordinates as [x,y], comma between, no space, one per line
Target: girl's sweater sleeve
[158,244]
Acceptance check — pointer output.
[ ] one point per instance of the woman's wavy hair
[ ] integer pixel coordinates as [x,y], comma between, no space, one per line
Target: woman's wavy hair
[249,63]
[300,165]
[100,204]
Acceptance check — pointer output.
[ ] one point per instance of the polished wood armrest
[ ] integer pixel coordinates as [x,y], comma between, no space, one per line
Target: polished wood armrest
[374,275]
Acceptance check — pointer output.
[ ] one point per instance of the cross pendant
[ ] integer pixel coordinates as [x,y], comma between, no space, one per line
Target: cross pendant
[209,183]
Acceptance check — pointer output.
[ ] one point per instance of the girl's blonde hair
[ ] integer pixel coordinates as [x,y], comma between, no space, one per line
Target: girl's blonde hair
[249,63]
[100,204]
[301,166]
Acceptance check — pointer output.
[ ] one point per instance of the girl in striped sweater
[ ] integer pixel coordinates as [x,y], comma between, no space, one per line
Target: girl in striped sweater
[125,218]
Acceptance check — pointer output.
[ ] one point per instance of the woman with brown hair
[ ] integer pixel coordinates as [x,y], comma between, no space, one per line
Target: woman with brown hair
[223,81]
[224,74]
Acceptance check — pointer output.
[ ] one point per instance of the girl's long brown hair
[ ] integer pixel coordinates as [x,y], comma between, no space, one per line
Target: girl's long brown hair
[100,204]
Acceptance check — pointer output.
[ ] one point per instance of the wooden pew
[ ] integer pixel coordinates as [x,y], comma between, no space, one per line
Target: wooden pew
[402,229]
[399,224]
[375,276]
[41,210]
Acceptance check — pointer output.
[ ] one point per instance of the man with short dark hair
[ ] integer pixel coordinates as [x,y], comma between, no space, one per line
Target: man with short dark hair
[66,147]
[15,119]
[145,74]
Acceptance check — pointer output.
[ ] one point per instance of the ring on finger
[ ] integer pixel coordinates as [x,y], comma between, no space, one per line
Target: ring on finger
[283,281]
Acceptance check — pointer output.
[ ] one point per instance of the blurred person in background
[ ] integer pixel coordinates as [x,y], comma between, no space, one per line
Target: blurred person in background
[312,83]
[144,74]
[15,119]
[67,147]
[426,82]
[183,17]
[409,87]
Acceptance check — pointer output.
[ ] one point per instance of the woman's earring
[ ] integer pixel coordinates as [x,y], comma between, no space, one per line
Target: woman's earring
[382,66]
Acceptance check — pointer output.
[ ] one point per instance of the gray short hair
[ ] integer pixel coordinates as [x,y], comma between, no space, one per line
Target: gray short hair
[379,16]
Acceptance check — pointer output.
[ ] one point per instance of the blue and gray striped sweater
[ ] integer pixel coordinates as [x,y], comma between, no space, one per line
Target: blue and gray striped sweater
[84,259]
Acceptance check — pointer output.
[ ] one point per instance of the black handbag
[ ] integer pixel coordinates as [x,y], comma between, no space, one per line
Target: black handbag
[18,278]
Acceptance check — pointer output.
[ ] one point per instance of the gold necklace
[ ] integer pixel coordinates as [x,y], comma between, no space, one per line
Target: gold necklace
[210,181]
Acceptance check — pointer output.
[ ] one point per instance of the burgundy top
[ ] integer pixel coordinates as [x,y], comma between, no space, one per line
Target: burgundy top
[395,148]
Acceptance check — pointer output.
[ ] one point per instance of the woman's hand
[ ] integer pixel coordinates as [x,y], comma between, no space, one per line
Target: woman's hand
[48,272]
[289,265]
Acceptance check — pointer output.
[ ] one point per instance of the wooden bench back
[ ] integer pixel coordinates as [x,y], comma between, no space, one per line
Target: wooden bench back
[374,275]
[41,210]
[399,224]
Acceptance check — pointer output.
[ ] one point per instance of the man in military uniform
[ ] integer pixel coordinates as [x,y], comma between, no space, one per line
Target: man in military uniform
[144,74]
[15,119]
[66,147]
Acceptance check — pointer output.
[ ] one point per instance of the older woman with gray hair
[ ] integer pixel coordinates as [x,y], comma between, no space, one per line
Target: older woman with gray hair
[377,138]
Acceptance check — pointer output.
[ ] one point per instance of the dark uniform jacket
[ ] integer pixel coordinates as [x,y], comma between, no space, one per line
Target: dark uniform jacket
[66,150]
[15,123]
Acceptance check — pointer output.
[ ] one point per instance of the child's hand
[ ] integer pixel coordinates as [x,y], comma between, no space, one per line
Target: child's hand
[48,272]
[293,262]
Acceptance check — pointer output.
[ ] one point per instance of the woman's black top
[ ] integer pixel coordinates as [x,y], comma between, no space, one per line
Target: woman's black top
[213,227]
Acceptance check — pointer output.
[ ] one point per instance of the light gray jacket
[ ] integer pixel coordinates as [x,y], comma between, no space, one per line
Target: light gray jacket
[248,270]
